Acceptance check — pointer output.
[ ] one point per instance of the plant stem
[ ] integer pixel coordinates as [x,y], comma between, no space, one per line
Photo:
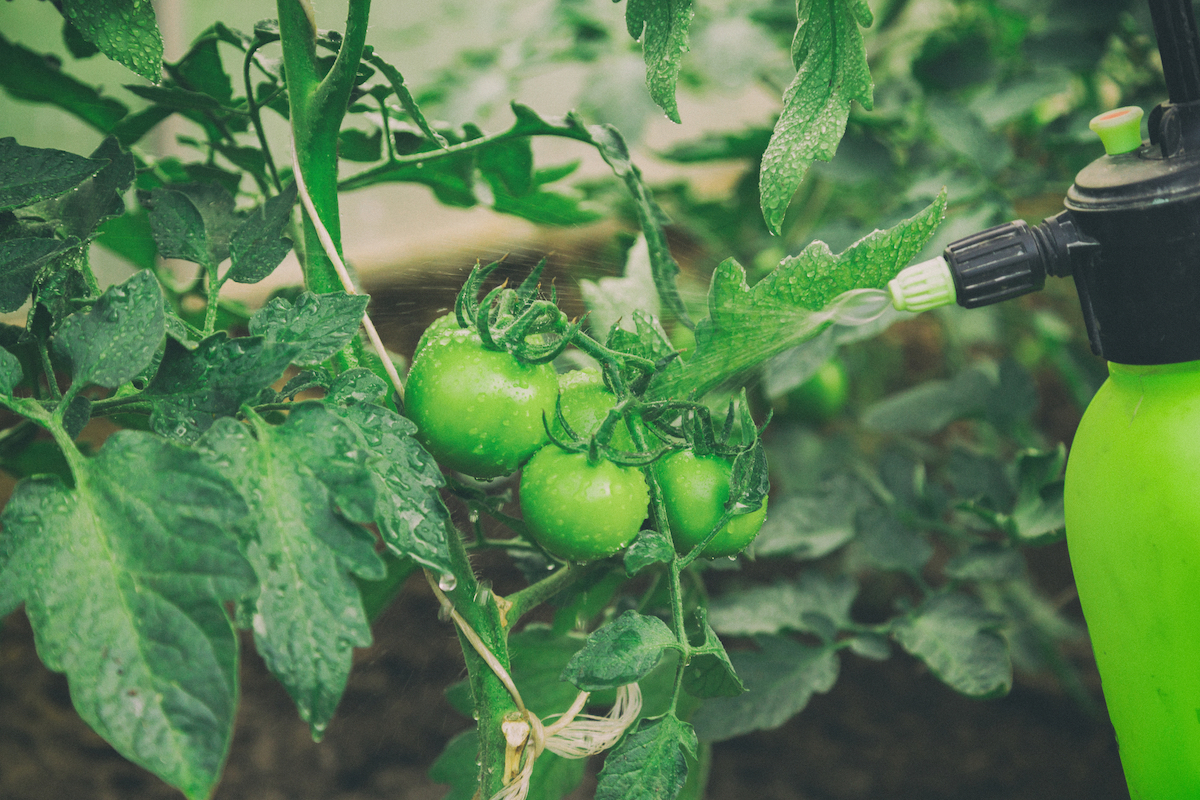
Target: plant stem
[537,593]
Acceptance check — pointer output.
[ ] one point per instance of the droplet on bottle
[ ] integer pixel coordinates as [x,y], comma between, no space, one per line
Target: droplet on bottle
[447,582]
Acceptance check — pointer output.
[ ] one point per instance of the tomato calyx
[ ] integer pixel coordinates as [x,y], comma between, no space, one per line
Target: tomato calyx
[517,320]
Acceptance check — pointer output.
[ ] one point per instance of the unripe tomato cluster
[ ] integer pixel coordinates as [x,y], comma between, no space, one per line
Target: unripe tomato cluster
[480,412]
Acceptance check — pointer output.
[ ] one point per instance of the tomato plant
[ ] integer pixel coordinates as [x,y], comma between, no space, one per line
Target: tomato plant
[272,471]
[578,510]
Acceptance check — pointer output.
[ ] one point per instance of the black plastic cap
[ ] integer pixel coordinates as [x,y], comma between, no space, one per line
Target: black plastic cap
[997,264]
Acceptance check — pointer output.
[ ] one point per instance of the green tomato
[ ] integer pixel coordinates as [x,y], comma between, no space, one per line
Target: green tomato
[818,399]
[581,511]
[477,411]
[585,402]
[695,490]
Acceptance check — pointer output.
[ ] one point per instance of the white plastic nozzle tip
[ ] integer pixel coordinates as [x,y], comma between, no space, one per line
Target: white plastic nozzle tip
[923,286]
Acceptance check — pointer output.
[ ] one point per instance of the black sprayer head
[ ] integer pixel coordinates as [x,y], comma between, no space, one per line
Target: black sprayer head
[1131,232]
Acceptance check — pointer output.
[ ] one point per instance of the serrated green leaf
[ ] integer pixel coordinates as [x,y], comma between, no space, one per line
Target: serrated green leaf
[20,262]
[780,678]
[259,244]
[621,652]
[130,237]
[356,386]
[308,614]
[662,28]
[125,30]
[31,174]
[890,544]
[832,71]
[194,387]
[124,580]
[810,526]
[711,674]
[612,299]
[356,145]
[986,561]
[194,222]
[10,372]
[118,337]
[650,763]
[650,547]
[1038,514]
[201,69]
[405,97]
[408,510]
[80,212]
[318,325]
[509,165]
[27,75]
[996,391]
[810,603]
[954,635]
[746,326]
[177,226]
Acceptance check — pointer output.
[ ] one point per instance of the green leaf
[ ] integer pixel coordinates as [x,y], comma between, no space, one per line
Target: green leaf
[954,635]
[356,145]
[259,244]
[650,547]
[30,76]
[746,326]
[318,325]
[890,544]
[130,237]
[1038,515]
[20,262]
[711,674]
[405,97]
[10,372]
[986,561]
[358,385]
[832,71]
[813,603]
[194,222]
[125,30]
[118,337]
[408,509]
[1000,392]
[810,526]
[621,652]
[508,164]
[612,299]
[650,763]
[124,580]
[194,387]
[31,174]
[80,212]
[308,614]
[662,27]
[780,677]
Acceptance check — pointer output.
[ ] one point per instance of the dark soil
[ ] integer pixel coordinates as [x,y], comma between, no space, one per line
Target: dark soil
[887,731]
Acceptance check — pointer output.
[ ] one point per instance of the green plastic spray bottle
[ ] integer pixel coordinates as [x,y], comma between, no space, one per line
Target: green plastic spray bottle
[1130,238]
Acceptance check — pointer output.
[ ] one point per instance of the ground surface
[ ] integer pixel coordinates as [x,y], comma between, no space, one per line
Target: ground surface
[885,732]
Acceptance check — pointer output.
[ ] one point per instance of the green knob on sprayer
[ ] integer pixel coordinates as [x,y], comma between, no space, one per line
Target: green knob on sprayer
[923,286]
[1120,129]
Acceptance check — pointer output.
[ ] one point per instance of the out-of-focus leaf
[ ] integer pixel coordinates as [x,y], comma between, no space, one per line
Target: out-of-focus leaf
[812,603]
[31,174]
[780,678]
[27,75]
[954,635]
